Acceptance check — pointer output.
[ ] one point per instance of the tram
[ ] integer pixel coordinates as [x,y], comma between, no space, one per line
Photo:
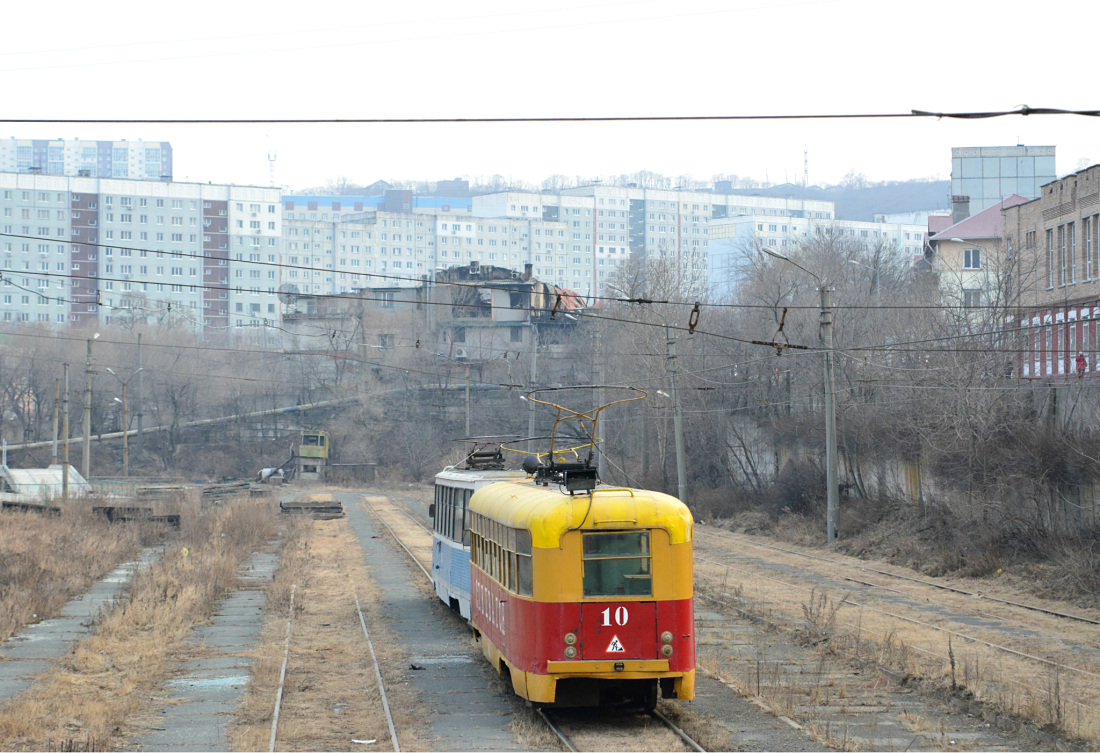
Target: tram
[581,592]
[454,487]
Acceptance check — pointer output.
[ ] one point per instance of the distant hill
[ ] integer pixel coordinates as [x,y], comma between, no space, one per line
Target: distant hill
[864,202]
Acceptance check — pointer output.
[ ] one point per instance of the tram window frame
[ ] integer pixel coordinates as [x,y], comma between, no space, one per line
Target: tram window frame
[605,568]
[503,553]
[456,517]
[525,580]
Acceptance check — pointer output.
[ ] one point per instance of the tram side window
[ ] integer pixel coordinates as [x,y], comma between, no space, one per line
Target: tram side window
[437,523]
[503,553]
[524,574]
[444,513]
[617,564]
[460,502]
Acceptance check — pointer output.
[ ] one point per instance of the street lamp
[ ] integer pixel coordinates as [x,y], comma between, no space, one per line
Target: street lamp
[832,504]
[874,274]
[125,420]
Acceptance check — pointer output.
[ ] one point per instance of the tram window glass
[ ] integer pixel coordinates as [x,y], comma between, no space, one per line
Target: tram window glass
[456,527]
[448,501]
[617,564]
[524,574]
[438,522]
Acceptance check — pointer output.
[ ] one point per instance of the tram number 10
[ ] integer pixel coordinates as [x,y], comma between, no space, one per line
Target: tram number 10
[620,615]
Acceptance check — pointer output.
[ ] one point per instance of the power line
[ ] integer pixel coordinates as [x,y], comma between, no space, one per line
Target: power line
[399,278]
[1023,110]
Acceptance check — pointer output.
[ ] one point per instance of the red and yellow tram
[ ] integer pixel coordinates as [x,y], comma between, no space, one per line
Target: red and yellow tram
[584,598]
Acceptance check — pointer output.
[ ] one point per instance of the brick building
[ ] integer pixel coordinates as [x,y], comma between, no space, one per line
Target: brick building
[1056,239]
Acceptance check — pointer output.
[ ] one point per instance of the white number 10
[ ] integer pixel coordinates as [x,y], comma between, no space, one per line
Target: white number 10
[621,616]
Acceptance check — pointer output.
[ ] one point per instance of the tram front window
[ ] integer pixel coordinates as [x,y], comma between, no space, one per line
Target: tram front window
[617,564]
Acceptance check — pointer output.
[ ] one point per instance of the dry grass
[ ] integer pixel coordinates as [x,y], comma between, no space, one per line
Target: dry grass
[331,694]
[47,561]
[88,697]
[911,640]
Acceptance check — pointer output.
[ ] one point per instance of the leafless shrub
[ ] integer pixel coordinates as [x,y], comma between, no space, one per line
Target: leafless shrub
[820,613]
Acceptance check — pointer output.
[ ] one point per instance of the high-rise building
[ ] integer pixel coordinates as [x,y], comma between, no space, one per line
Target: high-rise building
[988,174]
[732,241]
[138,160]
[94,250]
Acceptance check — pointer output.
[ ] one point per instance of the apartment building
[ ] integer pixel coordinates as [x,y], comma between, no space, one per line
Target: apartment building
[139,160]
[576,239]
[1057,240]
[83,250]
[730,240]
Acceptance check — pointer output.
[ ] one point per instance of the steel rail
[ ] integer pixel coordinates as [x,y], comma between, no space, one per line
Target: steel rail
[553,728]
[683,735]
[398,539]
[282,676]
[378,674]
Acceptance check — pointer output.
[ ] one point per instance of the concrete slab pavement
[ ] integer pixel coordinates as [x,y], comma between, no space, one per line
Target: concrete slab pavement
[37,647]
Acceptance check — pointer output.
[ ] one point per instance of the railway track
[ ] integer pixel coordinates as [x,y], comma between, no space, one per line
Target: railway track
[411,534]
[579,730]
[1037,661]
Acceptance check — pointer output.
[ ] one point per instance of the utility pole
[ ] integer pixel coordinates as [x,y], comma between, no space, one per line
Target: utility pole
[601,463]
[832,507]
[85,465]
[139,395]
[65,433]
[467,400]
[677,420]
[56,412]
[531,405]
[125,419]
[125,435]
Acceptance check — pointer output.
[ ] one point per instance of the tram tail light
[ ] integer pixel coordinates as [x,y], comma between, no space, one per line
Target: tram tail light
[570,648]
[666,650]
[666,637]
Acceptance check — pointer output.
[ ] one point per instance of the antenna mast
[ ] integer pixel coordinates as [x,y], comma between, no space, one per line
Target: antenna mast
[271,160]
[805,166]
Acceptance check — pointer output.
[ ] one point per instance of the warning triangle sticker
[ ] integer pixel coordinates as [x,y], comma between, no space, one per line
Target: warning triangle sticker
[615,646]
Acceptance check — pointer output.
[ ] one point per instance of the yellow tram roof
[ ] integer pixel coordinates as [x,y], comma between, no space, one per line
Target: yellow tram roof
[548,513]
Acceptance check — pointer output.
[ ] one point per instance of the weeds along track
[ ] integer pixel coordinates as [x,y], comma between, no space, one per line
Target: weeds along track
[1036,661]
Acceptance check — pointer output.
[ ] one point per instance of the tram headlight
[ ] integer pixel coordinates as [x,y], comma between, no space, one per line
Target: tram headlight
[570,639]
[666,650]
[570,652]
[666,637]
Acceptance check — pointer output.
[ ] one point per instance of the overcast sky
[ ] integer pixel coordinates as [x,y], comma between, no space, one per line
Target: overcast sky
[556,58]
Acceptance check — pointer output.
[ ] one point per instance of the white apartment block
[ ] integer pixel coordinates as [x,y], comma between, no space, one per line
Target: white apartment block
[577,239]
[731,239]
[139,160]
[101,251]
[77,250]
